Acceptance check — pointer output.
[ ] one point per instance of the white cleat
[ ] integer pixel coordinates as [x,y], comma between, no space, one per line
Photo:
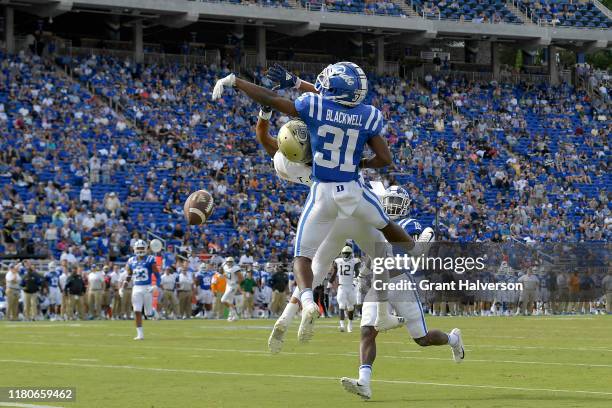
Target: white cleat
[277,337]
[352,385]
[306,330]
[458,350]
[341,328]
[139,338]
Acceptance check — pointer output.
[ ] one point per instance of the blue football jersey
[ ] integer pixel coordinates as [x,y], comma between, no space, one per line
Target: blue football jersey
[142,270]
[52,278]
[204,280]
[338,135]
[411,226]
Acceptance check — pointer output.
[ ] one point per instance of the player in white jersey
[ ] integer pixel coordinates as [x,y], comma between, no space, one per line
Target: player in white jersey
[366,237]
[405,303]
[233,276]
[346,269]
[140,268]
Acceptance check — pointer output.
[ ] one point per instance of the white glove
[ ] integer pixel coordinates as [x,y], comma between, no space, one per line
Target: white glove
[229,80]
[152,289]
[121,292]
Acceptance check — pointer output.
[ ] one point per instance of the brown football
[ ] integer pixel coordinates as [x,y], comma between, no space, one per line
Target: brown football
[198,207]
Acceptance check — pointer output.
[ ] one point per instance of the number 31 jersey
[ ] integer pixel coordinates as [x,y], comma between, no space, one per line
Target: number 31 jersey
[338,135]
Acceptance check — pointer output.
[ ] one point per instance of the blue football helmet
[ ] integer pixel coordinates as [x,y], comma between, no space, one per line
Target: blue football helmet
[343,82]
[396,202]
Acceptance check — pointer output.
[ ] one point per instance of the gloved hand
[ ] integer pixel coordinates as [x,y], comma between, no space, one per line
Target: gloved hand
[152,289]
[229,80]
[284,78]
[265,112]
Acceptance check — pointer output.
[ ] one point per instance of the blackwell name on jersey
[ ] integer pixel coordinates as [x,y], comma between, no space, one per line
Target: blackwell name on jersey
[343,118]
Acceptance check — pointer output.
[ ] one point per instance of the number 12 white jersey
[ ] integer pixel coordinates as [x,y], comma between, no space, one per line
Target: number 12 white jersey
[346,270]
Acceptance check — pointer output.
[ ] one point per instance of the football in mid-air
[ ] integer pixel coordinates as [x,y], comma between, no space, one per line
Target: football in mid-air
[198,207]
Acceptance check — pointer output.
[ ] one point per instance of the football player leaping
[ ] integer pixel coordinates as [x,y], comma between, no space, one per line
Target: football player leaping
[340,126]
[346,268]
[369,239]
[140,268]
[406,304]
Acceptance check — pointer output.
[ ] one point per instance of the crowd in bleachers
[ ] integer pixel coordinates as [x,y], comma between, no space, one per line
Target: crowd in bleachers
[566,13]
[475,11]
[528,161]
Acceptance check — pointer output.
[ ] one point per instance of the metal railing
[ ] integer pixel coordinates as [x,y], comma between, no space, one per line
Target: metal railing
[209,57]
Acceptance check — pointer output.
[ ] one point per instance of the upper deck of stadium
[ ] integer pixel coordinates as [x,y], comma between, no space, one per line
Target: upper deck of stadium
[545,22]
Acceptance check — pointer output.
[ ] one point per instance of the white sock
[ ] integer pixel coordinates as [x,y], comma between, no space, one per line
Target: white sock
[453,339]
[296,293]
[306,297]
[382,308]
[140,331]
[290,311]
[341,323]
[365,373]
[350,324]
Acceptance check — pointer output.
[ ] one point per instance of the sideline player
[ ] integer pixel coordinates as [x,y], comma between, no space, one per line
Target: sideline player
[55,297]
[204,297]
[405,303]
[346,268]
[338,138]
[141,267]
[233,275]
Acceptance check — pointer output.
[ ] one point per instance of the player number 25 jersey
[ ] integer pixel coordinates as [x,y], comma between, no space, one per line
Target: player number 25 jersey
[338,135]
[346,270]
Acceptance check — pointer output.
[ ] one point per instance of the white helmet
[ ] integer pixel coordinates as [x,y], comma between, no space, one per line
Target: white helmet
[51,265]
[396,201]
[203,267]
[347,252]
[140,248]
[229,259]
[294,141]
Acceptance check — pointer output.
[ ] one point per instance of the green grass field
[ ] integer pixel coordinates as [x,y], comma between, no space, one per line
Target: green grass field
[511,362]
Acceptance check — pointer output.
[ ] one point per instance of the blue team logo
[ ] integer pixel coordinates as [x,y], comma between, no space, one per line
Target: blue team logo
[340,70]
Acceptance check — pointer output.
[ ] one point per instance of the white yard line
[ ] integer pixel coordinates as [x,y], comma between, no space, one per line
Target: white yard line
[19,405]
[348,354]
[296,376]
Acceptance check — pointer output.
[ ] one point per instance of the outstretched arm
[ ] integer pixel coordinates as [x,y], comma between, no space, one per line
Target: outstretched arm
[263,135]
[257,93]
[266,97]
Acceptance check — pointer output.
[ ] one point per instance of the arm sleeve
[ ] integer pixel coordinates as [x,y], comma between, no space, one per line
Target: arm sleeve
[306,106]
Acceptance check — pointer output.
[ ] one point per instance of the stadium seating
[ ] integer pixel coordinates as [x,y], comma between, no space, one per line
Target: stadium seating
[171,140]
[565,13]
[483,11]
[378,7]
